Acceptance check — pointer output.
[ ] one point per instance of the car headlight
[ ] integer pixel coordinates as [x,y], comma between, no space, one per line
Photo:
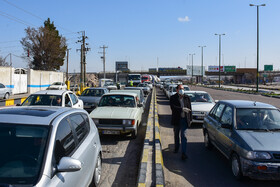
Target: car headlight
[258,155]
[96,121]
[128,122]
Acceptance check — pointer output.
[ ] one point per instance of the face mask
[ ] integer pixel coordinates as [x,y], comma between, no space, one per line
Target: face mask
[181,92]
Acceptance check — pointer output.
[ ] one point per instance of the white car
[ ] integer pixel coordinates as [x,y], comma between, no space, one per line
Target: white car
[201,103]
[57,86]
[172,89]
[62,98]
[118,113]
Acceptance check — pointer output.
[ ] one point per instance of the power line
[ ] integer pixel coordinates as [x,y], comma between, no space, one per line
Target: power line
[14,18]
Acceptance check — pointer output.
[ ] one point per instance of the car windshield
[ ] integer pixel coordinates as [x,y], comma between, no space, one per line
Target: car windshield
[117,100]
[48,100]
[257,119]
[200,97]
[57,83]
[22,154]
[93,92]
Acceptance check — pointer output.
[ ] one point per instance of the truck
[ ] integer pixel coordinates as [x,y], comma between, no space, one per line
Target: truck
[145,78]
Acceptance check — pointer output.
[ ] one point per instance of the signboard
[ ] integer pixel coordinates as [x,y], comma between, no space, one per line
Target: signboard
[268,67]
[196,70]
[230,69]
[215,68]
[171,70]
[122,66]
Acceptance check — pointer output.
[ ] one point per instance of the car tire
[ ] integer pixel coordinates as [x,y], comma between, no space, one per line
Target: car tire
[207,141]
[236,167]
[134,133]
[97,172]
[6,96]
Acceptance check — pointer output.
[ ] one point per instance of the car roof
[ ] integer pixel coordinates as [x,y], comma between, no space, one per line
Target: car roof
[51,92]
[32,115]
[247,104]
[121,93]
[195,92]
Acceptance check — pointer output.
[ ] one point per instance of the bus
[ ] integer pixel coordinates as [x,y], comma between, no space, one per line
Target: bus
[146,78]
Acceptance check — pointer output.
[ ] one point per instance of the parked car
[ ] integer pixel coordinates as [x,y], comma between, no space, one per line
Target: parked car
[62,98]
[48,146]
[5,92]
[247,133]
[91,97]
[118,113]
[57,86]
[201,103]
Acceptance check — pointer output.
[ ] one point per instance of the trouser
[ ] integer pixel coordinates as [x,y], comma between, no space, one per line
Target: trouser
[182,130]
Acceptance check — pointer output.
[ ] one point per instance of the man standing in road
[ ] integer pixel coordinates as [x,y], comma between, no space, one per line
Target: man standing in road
[181,117]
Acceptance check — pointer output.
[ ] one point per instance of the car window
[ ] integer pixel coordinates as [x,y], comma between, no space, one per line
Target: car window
[74,98]
[64,140]
[217,113]
[2,86]
[67,101]
[227,116]
[80,125]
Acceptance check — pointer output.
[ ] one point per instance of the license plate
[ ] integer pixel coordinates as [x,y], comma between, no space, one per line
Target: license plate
[110,132]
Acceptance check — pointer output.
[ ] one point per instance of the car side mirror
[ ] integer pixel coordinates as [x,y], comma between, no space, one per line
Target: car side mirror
[68,164]
[139,105]
[216,101]
[226,126]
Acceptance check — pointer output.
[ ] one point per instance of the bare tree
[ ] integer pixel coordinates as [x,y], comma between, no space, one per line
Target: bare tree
[3,62]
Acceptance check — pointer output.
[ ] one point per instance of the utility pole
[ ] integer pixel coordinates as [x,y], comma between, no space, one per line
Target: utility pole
[219,57]
[202,62]
[67,71]
[83,58]
[103,58]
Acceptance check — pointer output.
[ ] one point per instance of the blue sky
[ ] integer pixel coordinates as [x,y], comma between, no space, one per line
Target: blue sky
[140,31]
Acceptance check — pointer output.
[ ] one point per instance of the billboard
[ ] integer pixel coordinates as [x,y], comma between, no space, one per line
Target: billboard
[196,70]
[215,68]
[170,70]
[268,67]
[122,66]
[152,70]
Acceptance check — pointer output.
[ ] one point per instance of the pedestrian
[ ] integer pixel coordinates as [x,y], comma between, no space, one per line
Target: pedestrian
[181,118]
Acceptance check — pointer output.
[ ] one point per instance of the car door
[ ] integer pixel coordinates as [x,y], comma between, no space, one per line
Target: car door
[215,122]
[2,90]
[223,135]
[76,103]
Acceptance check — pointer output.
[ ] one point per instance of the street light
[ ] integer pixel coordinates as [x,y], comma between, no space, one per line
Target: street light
[202,62]
[192,64]
[220,58]
[257,89]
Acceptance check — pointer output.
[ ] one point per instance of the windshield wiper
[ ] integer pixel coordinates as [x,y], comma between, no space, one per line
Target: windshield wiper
[276,129]
[253,129]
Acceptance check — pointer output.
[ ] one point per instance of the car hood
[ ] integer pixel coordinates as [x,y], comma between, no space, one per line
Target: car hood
[114,113]
[90,99]
[262,141]
[201,106]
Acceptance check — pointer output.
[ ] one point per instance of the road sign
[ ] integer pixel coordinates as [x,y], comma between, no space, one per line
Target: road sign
[230,69]
[215,68]
[268,67]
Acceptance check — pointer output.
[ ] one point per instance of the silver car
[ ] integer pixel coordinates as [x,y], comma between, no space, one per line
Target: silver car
[5,92]
[48,146]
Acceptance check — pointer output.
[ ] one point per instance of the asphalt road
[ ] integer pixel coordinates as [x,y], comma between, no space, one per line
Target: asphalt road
[203,167]
[121,156]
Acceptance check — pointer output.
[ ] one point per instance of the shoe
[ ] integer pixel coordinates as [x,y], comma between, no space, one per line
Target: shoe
[184,156]
[175,151]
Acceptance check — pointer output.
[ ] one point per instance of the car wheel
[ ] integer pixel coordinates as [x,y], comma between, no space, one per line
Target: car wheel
[6,96]
[97,172]
[134,133]
[207,141]
[236,167]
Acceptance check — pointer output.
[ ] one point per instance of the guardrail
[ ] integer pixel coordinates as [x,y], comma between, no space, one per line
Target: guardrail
[151,166]
[11,102]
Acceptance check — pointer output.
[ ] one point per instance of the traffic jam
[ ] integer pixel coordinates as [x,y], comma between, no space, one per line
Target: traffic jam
[55,134]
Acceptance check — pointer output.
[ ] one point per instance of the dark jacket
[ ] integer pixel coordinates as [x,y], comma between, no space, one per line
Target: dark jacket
[177,109]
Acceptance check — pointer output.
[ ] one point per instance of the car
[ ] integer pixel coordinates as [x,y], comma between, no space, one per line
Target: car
[5,92]
[118,113]
[91,97]
[247,133]
[57,86]
[149,84]
[145,87]
[110,85]
[62,98]
[49,146]
[202,103]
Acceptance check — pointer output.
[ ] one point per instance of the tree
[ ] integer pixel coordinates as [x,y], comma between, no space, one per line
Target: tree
[45,46]
[2,62]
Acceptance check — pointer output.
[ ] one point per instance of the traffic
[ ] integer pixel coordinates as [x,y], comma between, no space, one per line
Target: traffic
[245,132]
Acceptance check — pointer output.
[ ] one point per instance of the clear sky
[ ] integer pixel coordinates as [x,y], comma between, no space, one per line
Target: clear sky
[142,31]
